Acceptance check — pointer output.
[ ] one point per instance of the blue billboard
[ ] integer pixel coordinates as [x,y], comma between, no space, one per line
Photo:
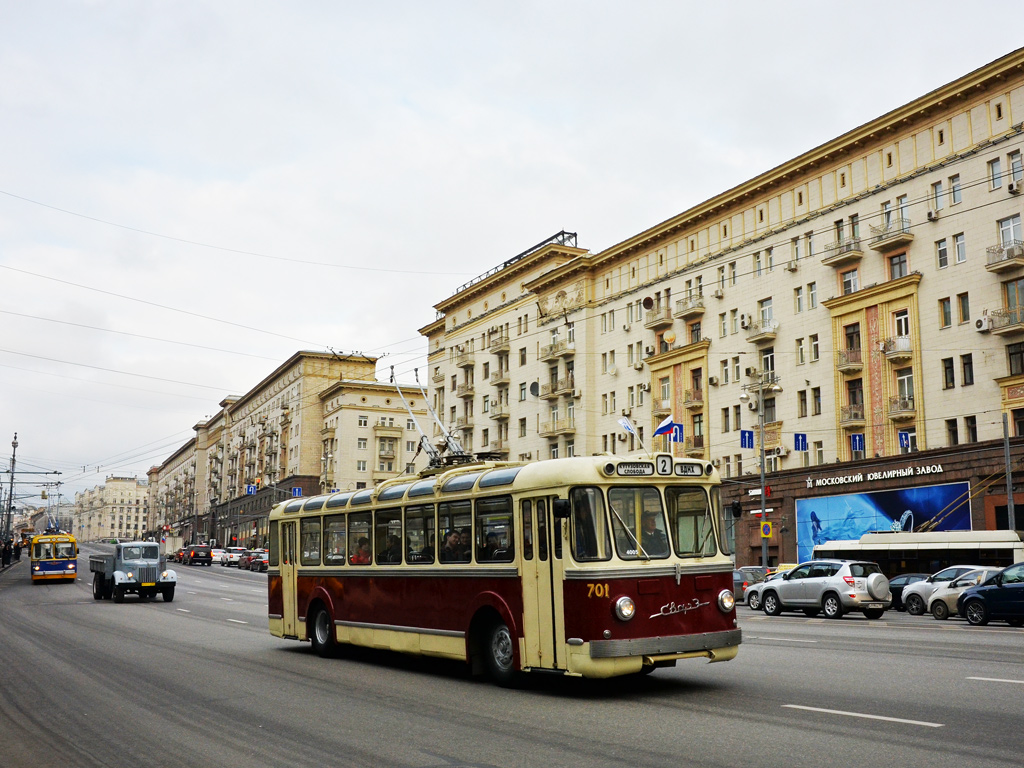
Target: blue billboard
[849,516]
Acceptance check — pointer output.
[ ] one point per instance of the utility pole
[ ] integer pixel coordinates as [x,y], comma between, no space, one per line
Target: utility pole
[10,492]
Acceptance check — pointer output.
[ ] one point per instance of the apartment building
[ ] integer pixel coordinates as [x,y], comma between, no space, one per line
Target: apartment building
[118,508]
[865,296]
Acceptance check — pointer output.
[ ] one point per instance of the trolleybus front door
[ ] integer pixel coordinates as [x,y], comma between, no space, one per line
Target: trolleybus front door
[288,580]
[543,624]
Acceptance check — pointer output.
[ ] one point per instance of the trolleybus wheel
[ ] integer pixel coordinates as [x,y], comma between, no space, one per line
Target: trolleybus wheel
[322,637]
[498,655]
[168,593]
[118,594]
[97,587]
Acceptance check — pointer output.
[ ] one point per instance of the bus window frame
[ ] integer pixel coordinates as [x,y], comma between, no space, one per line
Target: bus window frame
[361,518]
[309,522]
[603,552]
[330,534]
[483,527]
[675,490]
[425,513]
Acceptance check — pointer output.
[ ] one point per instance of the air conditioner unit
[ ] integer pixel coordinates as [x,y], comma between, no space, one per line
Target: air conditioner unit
[645,387]
[625,327]
[750,370]
[622,437]
[649,349]
[713,381]
[716,462]
[1014,251]
[718,293]
[744,320]
[627,411]
[752,405]
[613,371]
[638,366]
[577,393]
[983,324]
[792,266]
[782,451]
[1013,187]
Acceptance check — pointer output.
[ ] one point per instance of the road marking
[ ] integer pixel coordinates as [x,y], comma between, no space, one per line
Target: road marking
[183,610]
[228,599]
[996,680]
[867,717]
[781,639]
[236,621]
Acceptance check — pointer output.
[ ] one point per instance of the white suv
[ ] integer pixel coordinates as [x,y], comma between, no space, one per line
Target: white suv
[231,555]
[834,587]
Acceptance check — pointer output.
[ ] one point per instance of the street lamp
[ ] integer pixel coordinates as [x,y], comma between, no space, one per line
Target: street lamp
[766,382]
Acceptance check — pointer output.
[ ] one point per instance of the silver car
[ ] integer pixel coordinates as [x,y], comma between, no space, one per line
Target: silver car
[834,587]
[753,592]
[915,596]
[942,602]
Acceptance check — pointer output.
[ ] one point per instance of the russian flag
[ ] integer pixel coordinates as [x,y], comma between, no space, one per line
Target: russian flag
[667,427]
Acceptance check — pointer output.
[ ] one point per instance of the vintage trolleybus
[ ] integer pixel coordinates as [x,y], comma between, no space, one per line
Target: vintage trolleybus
[54,557]
[593,567]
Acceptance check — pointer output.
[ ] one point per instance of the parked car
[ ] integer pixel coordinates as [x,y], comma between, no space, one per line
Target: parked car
[740,582]
[218,555]
[232,556]
[834,587]
[246,558]
[915,597]
[942,602]
[898,583]
[1001,597]
[179,555]
[758,572]
[198,554]
[753,593]
[260,561]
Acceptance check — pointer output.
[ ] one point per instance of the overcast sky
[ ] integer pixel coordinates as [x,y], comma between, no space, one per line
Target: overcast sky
[190,192]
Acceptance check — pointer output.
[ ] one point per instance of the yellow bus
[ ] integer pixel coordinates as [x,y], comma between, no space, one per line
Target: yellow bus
[54,557]
[587,566]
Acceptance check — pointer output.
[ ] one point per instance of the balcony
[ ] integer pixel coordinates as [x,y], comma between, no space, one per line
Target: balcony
[1007,322]
[464,422]
[438,376]
[1002,258]
[897,349]
[693,399]
[558,427]
[891,236]
[765,330]
[555,389]
[385,430]
[692,306]
[851,416]
[498,344]
[849,361]
[843,252]
[465,390]
[499,446]
[498,411]
[694,445]
[387,453]
[499,379]
[556,350]
[659,317]
[464,359]
[662,407]
[902,408]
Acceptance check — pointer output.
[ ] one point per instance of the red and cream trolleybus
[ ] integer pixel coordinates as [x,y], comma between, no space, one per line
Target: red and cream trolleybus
[594,567]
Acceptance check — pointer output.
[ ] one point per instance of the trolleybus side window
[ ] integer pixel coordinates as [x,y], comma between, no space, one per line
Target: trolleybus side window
[527,507]
[542,530]
[360,538]
[719,513]
[274,556]
[419,533]
[637,518]
[455,516]
[388,535]
[309,541]
[588,528]
[691,521]
[494,542]
[334,540]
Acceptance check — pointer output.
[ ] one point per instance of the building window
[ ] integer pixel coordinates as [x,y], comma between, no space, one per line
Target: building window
[801,403]
[732,273]
[361,465]
[948,376]
[757,264]
[765,308]
[819,452]
[941,254]
[522,356]
[816,401]
[798,299]
[814,346]
[937,196]
[960,248]
[361,443]
[971,429]
[849,281]
[963,306]
[736,369]
[995,174]
[897,266]
[954,190]
[1009,231]
[966,370]
[1016,167]
[725,420]
[737,415]
[945,313]
[734,321]
[952,434]
[364,421]
[800,351]
[522,392]
[522,427]
[812,295]
[912,435]
[1015,353]
[723,325]
[769,409]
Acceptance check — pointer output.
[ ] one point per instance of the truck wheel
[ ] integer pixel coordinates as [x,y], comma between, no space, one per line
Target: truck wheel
[97,587]
[118,594]
[108,589]
[168,593]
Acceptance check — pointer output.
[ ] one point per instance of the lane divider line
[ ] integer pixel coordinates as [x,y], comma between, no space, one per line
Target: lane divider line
[182,610]
[996,680]
[922,723]
[237,621]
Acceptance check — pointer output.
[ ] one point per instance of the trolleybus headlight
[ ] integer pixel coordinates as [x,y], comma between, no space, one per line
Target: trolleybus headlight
[726,601]
[71,566]
[625,608]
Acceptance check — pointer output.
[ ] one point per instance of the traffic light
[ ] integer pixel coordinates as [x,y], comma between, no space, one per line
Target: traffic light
[737,508]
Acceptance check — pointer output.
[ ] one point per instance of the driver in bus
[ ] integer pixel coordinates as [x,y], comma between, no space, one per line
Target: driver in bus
[652,538]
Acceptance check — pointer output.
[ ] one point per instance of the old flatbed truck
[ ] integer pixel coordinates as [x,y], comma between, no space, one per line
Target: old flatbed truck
[135,566]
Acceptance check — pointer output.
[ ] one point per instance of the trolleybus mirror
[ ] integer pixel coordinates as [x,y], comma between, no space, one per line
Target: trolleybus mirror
[560,508]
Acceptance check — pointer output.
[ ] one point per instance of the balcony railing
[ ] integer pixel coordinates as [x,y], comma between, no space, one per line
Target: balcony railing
[557,349]
[499,446]
[662,407]
[691,306]
[1008,255]
[1007,321]
[693,399]
[849,360]
[658,317]
[498,411]
[464,360]
[901,408]
[843,252]
[438,376]
[464,422]
[498,344]
[557,427]
[765,330]
[465,390]
[694,445]
[897,349]
[892,235]
[557,388]
[851,416]
[499,379]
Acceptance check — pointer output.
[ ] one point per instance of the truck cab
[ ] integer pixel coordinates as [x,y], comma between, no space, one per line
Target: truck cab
[135,566]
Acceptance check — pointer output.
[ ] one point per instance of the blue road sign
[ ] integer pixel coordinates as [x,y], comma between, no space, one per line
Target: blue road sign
[799,442]
[296,491]
[251,489]
[676,435]
[747,438]
[904,438]
[857,441]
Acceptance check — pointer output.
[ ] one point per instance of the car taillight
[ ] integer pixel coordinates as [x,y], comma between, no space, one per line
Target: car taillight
[849,580]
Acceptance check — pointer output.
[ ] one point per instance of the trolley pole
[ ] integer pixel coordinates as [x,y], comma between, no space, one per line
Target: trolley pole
[1011,517]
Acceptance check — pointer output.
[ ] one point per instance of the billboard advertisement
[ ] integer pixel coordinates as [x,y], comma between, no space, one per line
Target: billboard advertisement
[848,516]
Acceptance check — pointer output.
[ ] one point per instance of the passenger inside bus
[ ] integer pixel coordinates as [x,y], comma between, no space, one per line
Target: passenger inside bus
[451,552]
[361,554]
[392,553]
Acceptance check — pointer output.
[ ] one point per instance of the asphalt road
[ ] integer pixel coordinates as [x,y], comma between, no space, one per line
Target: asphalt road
[201,682]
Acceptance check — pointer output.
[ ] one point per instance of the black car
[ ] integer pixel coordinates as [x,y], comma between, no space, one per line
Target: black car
[198,554]
[897,584]
[1001,597]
